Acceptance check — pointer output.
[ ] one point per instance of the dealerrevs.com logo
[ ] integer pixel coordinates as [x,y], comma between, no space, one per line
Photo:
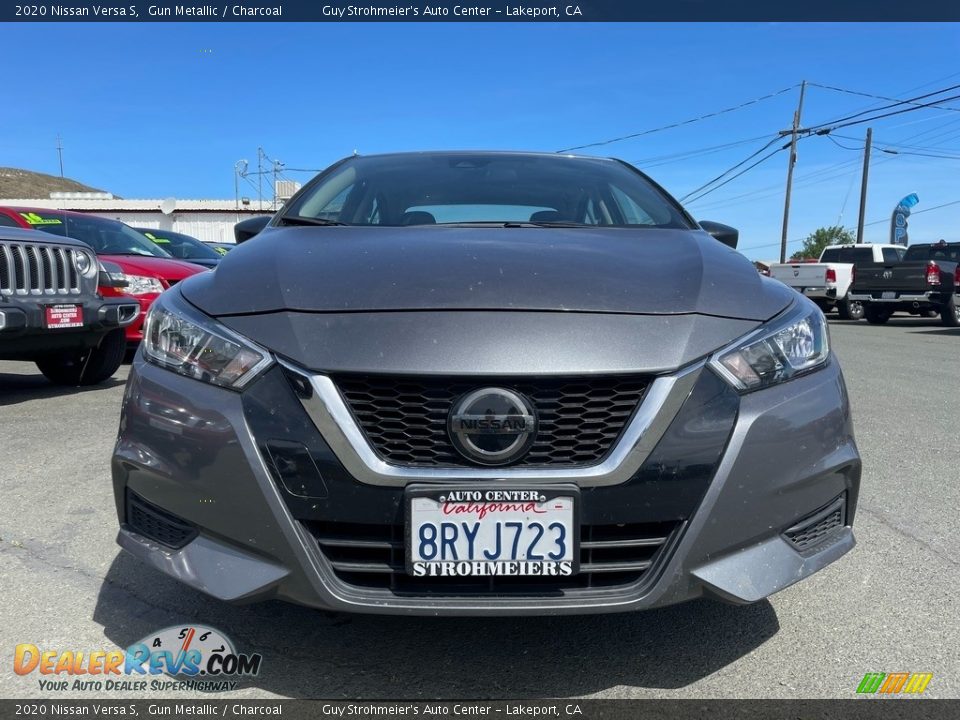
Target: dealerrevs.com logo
[195,657]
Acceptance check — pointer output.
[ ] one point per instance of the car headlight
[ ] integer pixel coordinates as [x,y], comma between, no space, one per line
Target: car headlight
[795,343]
[84,262]
[142,285]
[184,340]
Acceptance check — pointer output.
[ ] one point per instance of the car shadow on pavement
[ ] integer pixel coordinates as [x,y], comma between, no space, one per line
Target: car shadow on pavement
[896,321]
[313,654]
[953,332]
[16,388]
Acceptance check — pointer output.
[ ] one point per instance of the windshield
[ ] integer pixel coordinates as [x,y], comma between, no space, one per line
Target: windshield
[950,252]
[451,188]
[847,255]
[179,245]
[106,237]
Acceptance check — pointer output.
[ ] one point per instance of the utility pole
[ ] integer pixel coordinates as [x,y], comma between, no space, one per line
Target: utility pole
[239,171]
[60,154]
[790,163]
[260,178]
[863,183]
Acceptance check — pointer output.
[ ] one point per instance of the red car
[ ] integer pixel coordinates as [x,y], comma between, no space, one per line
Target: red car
[147,269]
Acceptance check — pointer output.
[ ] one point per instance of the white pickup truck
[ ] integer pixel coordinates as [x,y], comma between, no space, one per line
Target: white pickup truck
[827,281]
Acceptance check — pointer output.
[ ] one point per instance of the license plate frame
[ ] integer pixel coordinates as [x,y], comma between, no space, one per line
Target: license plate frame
[888,295]
[549,492]
[62,316]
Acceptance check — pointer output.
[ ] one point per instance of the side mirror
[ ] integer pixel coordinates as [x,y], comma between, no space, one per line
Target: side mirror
[723,233]
[246,229]
[111,276]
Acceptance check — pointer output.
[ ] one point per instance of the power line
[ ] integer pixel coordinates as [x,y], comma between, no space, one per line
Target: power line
[804,179]
[890,144]
[658,160]
[681,123]
[891,151]
[848,121]
[920,212]
[734,177]
[908,101]
[729,170]
[870,95]
[830,172]
[875,222]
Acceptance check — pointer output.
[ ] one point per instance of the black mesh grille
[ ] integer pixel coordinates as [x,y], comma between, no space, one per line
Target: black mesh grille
[150,521]
[372,557]
[405,419]
[810,533]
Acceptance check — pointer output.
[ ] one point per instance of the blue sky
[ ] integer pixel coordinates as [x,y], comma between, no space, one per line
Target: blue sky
[159,110]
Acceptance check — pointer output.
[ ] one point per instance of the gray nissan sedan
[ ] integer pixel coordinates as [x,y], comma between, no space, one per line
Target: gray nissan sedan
[473,383]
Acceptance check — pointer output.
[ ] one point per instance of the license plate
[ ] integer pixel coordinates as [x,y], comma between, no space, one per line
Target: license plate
[888,295]
[64,316]
[488,532]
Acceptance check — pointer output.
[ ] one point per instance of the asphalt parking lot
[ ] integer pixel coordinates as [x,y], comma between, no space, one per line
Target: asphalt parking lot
[891,605]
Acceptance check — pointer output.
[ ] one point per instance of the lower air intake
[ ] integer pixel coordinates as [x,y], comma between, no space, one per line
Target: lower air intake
[816,528]
[148,520]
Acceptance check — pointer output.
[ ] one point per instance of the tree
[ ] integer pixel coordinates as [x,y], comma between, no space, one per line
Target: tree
[821,237]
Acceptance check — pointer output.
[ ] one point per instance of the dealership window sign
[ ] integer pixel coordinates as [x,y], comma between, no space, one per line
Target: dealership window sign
[898,222]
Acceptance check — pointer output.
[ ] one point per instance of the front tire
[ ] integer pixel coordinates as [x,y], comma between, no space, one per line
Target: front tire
[876,315]
[950,313]
[87,367]
[850,309]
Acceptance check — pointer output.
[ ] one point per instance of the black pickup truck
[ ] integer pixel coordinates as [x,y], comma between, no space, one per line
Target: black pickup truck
[926,280]
[52,313]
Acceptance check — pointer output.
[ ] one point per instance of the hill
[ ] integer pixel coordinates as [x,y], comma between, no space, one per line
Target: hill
[17,183]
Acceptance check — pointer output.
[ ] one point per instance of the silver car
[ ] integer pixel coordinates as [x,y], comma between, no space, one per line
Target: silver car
[471,383]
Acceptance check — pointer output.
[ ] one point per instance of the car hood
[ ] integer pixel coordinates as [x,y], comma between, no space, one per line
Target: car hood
[603,270]
[166,268]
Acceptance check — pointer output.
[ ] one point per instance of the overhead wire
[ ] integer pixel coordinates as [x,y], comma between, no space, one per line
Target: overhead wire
[681,123]
[864,94]
[734,167]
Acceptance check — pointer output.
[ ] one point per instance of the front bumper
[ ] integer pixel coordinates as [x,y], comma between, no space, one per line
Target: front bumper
[894,301]
[931,296]
[134,330]
[819,293]
[735,475]
[23,332]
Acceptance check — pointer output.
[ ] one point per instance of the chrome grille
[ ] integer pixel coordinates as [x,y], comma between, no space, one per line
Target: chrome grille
[405,418]
[372,557]
[35,269]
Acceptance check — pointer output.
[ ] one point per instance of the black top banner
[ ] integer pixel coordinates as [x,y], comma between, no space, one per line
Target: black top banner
[483,11]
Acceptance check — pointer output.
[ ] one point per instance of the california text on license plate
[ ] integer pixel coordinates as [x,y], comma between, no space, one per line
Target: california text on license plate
[64,316]
[470,532]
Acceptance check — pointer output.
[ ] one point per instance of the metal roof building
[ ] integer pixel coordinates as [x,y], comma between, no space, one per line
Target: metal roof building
[208,220]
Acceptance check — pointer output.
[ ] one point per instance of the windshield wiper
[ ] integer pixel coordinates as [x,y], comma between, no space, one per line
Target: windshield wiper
[548,223]
[300,220]
[516,223]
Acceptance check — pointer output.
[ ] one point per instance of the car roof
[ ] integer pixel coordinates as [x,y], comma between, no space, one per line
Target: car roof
[35,236]
[22,208]
[486,153]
